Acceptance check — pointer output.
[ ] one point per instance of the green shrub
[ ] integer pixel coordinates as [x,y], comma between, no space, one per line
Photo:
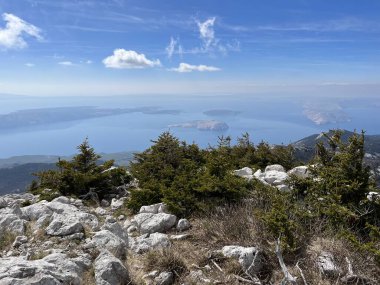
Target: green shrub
[80,175]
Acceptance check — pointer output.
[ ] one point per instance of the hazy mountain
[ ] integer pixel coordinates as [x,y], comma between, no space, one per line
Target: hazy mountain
[16,173]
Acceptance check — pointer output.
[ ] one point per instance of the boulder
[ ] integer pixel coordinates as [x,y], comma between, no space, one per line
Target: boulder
[62,225]
[109,270]
[183,225]
[152,223]
[36,211]
[149,242]
[105,239]
[154,209]
[274,177]
[300,172]
[250,258]
[114,227]
[275,167]
[245,172]
[62,199]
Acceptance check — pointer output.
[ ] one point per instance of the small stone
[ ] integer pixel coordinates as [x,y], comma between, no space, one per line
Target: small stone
[121,218]
[104,203]
[183,225]
[165,278]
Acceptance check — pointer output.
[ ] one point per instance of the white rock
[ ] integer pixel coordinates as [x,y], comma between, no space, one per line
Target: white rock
[148,242]
[62,199]
[36,211]
[165,278]
[62,225]
[100,211]
[245,256]
[117,203]
[326,265]
[283,188]
[115,228]
[109,270]
[53,269]
[275,167]
[183,225]
[300,172]
[154,209]
[274,177]
[373,196]
[152,223]
[105,239]
[244,172]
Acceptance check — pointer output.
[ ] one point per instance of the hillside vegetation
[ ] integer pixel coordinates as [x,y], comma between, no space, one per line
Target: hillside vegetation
[332,205]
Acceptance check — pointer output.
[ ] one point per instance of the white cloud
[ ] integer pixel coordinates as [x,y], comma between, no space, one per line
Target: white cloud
[12,36]
[66,63]
[185,67]
[206,32]
[171,47]
[128,59]
[29,64]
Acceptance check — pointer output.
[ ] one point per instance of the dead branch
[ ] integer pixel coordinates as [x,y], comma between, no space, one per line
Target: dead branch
[288,277]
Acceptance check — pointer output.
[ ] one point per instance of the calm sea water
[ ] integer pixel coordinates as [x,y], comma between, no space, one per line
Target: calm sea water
[274,119]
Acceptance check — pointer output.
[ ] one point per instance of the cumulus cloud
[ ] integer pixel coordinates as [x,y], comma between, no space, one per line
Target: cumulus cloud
[206,31]
[66,63]
[12,36]
[185,67]
[129,59]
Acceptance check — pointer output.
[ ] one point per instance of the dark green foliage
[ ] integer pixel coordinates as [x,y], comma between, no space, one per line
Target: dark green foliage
[184,176]
[80,175]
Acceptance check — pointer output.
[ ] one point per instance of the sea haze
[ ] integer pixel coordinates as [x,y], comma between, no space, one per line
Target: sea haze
[56,125]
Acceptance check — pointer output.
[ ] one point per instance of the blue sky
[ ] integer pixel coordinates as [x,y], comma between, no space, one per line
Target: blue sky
[116,47]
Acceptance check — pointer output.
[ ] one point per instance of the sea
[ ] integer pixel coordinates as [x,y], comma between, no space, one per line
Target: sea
[273,118]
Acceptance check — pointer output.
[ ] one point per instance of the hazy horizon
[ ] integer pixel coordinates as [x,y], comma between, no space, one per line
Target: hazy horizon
[126,70]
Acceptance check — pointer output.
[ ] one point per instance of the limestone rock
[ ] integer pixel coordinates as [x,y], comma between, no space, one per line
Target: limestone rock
[300,172]
[154,209]
[152,223]
[183,225]
[105,239]
[250,258]
[149,242]
[165,278]
[326,265]
[109,270]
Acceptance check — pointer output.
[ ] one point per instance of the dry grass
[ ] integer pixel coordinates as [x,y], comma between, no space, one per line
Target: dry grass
[6,240]
[88,277]
[38,255]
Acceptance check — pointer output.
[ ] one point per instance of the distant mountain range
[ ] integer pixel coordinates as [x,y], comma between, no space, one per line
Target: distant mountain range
[305,149]
[16,172]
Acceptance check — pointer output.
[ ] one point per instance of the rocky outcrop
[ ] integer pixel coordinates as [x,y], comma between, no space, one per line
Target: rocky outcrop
[274,175]
[56,268]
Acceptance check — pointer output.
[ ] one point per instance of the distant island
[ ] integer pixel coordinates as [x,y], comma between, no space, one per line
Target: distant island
[203,125]
[221,112]
[47,116]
